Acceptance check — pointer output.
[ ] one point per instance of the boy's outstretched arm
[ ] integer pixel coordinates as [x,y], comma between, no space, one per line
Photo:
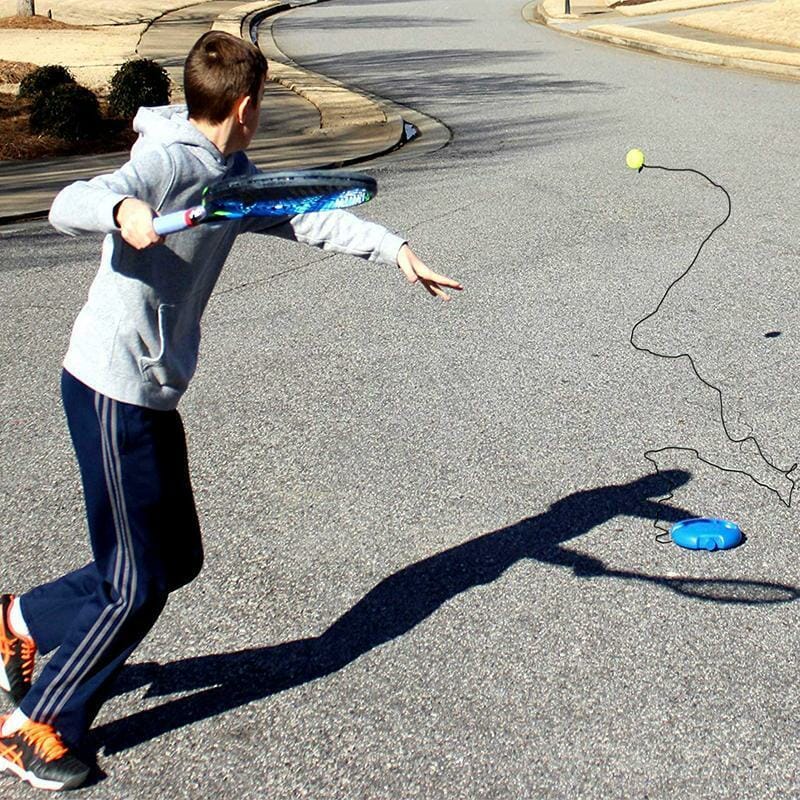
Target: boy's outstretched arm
[342,232]
[416,272]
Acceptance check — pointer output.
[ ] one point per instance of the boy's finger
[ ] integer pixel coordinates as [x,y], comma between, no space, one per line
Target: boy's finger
[435,291]
[442,280]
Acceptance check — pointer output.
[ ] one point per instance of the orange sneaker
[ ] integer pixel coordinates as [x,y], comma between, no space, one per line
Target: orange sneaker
[37,754]
[18,653]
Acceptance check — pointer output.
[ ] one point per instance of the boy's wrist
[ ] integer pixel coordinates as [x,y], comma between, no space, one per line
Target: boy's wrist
[390,248]
[115,212]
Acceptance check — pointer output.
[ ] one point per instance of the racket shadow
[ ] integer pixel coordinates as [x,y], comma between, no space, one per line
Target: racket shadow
[719,590]
[212,684]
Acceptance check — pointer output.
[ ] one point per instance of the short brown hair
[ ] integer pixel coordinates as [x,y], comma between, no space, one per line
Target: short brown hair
[219,70]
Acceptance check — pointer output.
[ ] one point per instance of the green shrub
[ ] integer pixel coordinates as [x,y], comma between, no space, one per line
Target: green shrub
[43,80]
[136,83]
[69,111]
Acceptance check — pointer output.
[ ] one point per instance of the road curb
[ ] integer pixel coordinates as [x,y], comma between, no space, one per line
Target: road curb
[337,104]
[728,58]
[655,43]
[378,127]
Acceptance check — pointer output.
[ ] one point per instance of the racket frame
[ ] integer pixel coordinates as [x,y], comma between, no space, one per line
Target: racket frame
[290,182]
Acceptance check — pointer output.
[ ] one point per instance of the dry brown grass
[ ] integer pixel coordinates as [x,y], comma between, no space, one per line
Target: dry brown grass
[777,22]
[639,9]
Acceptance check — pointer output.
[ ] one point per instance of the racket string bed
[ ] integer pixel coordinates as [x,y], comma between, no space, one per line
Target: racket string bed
[277,194]
[663,536]
[272,194]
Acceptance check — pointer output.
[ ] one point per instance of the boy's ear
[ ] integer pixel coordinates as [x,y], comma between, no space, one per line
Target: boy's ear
[242,106]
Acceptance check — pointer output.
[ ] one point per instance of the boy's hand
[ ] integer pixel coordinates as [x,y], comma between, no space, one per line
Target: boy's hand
[135,220]
[416,271]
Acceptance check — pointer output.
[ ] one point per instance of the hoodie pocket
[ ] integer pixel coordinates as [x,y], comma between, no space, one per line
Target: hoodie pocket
[179,339]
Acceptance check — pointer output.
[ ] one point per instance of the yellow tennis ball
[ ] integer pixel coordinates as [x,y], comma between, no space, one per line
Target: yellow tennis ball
[635,158]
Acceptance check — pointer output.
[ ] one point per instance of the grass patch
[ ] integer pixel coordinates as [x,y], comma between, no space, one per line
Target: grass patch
[777,22]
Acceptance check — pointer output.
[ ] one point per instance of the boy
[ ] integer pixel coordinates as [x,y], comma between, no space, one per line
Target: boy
[131,356]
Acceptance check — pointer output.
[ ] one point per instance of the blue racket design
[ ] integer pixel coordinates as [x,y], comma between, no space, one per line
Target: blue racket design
[272,194]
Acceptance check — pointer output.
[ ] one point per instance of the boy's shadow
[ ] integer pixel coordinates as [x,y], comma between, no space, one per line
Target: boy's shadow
[224,681]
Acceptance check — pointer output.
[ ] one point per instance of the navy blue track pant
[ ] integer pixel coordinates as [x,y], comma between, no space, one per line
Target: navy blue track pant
[145,540]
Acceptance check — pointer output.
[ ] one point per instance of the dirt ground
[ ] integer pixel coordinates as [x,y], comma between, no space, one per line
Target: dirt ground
[18,142]
[14,71]
[35,22]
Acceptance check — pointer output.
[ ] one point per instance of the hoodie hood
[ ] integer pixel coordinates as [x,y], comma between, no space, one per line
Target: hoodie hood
[170,125]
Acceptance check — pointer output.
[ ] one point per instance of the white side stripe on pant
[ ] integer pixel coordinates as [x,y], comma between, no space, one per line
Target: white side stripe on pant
[86,654]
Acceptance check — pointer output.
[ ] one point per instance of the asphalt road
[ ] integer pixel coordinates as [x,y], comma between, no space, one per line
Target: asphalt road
[431,562]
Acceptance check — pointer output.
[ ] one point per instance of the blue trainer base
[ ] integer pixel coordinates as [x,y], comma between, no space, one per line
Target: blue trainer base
[706,533]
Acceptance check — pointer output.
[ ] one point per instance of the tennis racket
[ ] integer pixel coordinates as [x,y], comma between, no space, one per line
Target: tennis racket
[272,194]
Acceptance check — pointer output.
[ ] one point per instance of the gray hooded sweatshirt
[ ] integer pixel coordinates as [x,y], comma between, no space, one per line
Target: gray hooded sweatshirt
[137,338]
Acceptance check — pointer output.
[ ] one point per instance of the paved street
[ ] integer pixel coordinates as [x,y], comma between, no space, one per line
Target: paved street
[431,566]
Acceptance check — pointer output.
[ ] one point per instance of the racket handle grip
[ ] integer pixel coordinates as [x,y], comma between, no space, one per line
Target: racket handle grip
[178,220]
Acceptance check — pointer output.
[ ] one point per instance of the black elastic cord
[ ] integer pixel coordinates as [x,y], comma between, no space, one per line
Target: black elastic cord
[663,535]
